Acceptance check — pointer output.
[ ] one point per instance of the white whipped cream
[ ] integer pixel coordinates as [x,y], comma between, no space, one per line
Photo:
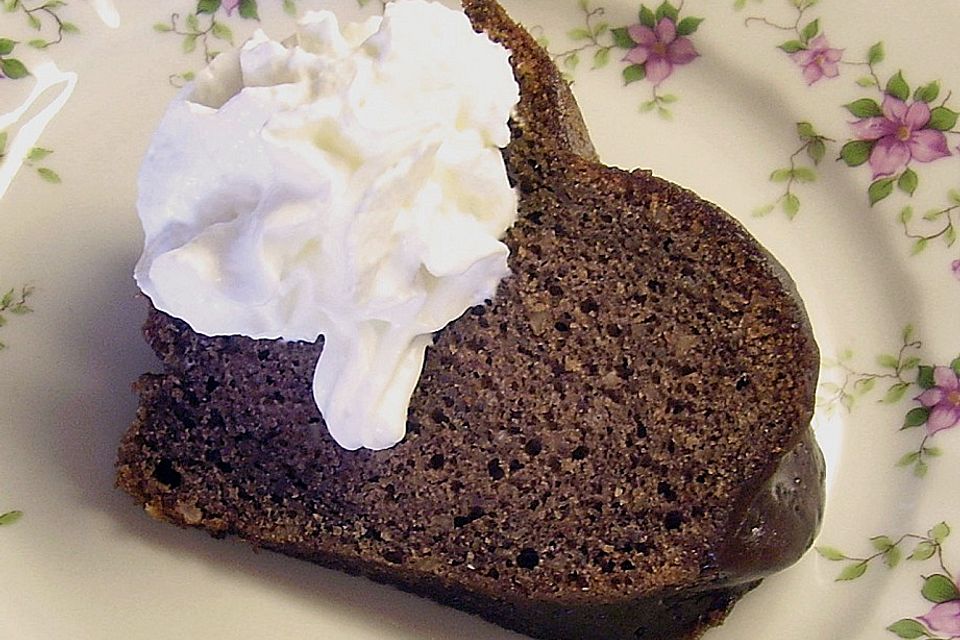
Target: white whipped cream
[348,185]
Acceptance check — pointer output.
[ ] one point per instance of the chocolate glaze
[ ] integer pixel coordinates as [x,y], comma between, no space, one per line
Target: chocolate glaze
[781,520]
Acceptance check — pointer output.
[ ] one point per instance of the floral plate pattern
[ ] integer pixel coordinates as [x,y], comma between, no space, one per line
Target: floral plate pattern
[828,127]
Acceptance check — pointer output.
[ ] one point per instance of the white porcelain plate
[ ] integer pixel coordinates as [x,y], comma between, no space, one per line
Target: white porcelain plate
[829,128]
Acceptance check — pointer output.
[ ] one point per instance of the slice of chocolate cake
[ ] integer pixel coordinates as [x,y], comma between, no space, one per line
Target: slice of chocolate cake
[616,446]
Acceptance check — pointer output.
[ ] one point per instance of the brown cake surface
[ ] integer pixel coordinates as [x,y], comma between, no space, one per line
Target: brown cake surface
[616,446]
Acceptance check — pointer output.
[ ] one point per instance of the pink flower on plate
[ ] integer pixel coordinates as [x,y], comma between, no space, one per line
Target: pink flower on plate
[901,136]
[659,49]
[943,400]
[944,619]
[955,267]
[818,60]
[230,5]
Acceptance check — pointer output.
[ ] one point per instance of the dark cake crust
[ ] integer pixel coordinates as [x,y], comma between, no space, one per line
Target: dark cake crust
[617,446]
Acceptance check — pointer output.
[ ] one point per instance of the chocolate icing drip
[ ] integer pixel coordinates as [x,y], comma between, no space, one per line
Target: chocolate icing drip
[781,520]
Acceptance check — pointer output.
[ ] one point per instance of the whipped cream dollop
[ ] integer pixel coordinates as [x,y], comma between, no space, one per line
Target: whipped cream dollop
[344,184]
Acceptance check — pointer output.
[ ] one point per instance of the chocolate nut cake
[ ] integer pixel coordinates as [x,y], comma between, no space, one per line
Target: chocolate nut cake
[616,446]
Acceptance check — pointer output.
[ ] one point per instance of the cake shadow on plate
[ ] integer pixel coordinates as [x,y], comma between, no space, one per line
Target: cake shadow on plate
[78,426]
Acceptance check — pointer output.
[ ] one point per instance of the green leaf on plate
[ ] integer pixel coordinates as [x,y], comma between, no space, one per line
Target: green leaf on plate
[881,543]
[208,6]
[908,459]
[939,588]
[601,58]
[49,175]
[34,21]
[3,142]
[896,392]
[955,365]
[923,551]
[69,27]
[888,361]
[925,377]
[162,27]
[13,68]
[906,214]
[811,30]
[667,10]
[916,417]
[38,153]
[852,572]
[866,81]
[222,32]
[781,175]
[832,554]
[907,334]
[806,131]
[622,39]
[908,629]
[817,149]
[688,26]
[761,211]
[248,9]
[289,7]
[942,119]
[634,73]
[792,46]
[804,174]
[879,190]
[571,61]
[192,22]
[892,557]
[10,517]
[898,87]
[908,181]
[578,34]
[950,236]
[875,54]
[6,46]
[939,532]
[864,108]
[189,43]
[647,17]
[920,469]
[600,28]
[856,152]
[919,246]
[928,92]
[791,205]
